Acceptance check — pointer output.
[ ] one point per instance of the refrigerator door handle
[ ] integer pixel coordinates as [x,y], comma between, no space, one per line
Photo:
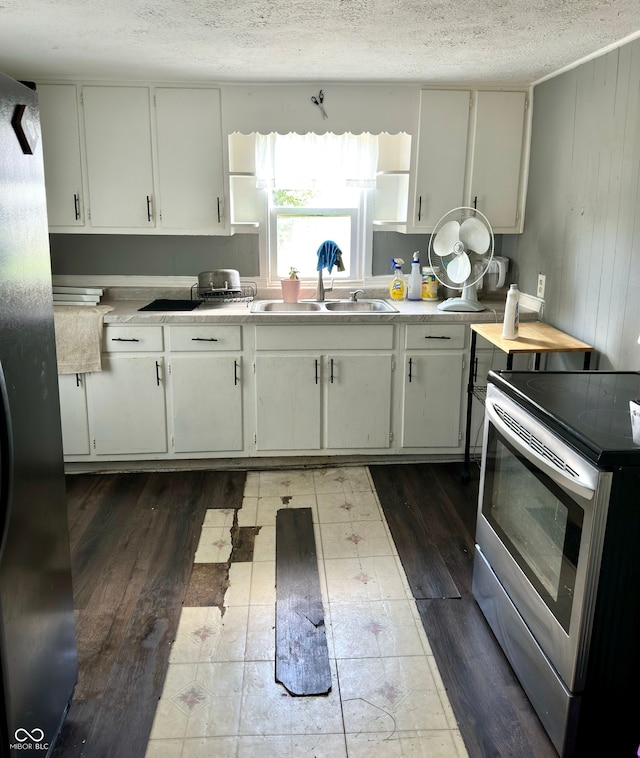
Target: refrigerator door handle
[6,459]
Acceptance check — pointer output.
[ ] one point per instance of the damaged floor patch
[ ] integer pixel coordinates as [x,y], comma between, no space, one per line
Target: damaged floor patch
[302,657]
[385,695]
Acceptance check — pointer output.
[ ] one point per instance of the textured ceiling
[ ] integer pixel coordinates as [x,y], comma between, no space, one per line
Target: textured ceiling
[426,41]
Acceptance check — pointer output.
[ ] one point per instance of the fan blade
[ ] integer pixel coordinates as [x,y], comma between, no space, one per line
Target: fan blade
[459,269]
[446,238]
[475,235]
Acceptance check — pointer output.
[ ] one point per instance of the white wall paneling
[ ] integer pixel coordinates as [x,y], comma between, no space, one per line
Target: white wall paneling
[583,215]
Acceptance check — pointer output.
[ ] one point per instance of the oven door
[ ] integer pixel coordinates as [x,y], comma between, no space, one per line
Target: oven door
[541,516]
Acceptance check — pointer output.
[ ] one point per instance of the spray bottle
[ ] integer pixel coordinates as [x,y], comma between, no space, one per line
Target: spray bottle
[414,289]
[397,287]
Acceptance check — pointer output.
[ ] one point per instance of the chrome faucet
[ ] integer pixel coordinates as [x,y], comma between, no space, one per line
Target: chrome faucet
[320,290]
[353,296]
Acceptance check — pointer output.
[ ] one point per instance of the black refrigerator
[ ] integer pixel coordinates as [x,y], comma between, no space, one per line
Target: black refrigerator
[38,661]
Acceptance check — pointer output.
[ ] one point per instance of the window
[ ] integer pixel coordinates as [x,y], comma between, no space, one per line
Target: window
[301,220]
[298,190]
[318,186]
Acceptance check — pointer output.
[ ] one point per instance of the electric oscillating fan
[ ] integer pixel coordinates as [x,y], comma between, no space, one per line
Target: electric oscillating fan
[460,251]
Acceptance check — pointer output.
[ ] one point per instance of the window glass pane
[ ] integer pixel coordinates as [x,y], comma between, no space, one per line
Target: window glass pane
[299,237]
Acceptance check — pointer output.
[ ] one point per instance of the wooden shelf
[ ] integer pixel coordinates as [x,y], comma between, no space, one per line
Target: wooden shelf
[533,337]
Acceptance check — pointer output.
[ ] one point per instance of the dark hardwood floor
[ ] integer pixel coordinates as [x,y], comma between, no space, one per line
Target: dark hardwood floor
[133,538]
[431,515]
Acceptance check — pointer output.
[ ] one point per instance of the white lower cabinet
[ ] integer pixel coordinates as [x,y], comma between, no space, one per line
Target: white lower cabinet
[74,414]
[288,402]
[432,388]
[197,390]
[335,397]
[359,401]
[206,389]
[128,414]
[207,403]
[127,409]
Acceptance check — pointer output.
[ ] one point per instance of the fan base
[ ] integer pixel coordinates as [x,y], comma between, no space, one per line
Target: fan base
[461,305]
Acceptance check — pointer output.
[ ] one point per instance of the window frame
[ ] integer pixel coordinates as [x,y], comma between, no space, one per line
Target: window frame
[361,236]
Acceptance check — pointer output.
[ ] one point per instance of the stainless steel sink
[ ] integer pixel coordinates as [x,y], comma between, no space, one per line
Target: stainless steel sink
[279,306]
[360,306]
[326,306]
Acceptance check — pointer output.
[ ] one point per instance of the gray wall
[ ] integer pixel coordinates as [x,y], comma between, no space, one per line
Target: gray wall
[141,255]
[157,255]
[582,225]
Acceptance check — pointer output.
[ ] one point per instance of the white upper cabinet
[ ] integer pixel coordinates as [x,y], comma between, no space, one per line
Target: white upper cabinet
[61,148]
[190,172]
[117,125]
[441,156]
[133,159]
[471,150]
[151,159]
[497,165]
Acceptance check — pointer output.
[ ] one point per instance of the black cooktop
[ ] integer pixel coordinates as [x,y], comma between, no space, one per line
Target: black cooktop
[589,409]
[171,305]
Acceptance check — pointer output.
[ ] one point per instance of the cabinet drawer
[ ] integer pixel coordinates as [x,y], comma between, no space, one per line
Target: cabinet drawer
[435,336]
[334,337]
[132,339]
[205,337]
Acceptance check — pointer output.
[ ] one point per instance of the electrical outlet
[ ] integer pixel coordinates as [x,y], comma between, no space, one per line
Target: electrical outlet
[541,284]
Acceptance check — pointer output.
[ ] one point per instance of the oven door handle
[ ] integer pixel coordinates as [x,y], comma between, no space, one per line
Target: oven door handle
[583,482]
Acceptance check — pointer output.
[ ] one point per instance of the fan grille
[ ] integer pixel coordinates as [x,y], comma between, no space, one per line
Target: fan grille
[478,263]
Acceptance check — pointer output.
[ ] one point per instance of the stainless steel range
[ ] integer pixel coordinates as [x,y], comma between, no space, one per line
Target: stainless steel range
[557,563]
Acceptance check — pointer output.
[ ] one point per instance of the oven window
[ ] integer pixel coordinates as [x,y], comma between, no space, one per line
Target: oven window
[539,524]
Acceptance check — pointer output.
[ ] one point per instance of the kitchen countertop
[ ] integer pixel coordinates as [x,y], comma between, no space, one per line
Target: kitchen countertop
[126,312]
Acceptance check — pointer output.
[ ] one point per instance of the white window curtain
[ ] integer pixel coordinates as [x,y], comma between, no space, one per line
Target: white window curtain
[316,161]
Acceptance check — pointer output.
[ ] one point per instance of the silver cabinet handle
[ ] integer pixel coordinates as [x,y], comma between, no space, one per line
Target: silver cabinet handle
[149,208]
[420,208]
[219,215]
[76,205]
[125,339]
[204,339]
[235,372]
[436,337]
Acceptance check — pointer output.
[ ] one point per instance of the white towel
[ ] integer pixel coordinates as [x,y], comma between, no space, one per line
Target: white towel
[79,338]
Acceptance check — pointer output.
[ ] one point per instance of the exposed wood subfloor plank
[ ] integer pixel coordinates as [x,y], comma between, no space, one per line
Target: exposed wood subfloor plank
[302,656]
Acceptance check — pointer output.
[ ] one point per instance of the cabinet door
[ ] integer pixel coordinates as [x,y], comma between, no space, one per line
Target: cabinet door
[206,392]
[73,414]
[119,159]
[496,167]
[190,159]
[61,150]
[288,402]
[358,401]
[432,399]
[128,411]
[441,155]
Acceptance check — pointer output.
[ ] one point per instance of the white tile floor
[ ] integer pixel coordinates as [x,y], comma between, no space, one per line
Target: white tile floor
[220,697]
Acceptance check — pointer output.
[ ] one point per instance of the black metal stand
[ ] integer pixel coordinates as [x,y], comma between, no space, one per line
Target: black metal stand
[472,391]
